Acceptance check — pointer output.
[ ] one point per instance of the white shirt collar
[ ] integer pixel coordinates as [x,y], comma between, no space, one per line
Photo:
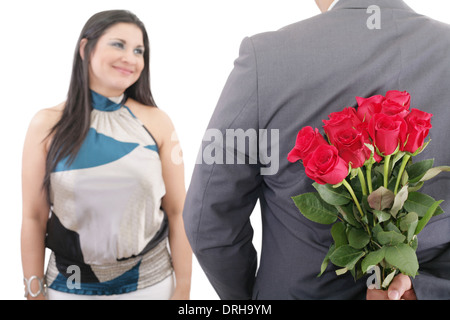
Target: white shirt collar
[333,4]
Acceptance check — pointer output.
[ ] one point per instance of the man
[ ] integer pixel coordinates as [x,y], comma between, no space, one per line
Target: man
[281,82]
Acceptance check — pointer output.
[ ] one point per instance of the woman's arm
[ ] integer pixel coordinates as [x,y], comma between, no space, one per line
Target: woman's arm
[163,131]
[35,209]
[173,203]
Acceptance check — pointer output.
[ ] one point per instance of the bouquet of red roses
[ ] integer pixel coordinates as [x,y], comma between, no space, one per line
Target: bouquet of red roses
[365,178]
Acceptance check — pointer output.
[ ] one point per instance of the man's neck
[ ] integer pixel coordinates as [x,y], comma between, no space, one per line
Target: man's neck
[332,5]
[324,5]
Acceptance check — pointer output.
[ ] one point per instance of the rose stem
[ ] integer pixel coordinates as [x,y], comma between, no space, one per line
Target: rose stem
[400,173]
[387,159]
[363,181]
[352,193]
[369,177]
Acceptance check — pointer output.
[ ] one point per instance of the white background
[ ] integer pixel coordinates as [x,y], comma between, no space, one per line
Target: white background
[193,46]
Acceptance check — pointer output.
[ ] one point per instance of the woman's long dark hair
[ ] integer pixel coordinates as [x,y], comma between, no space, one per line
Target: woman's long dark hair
[71,130]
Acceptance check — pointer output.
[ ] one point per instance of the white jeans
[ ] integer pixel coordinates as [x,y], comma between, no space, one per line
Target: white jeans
[161,291]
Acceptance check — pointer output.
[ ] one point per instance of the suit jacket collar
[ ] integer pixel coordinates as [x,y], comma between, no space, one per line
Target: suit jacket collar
[364,4]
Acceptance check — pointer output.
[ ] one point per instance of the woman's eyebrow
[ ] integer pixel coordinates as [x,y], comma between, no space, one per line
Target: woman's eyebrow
[117,39]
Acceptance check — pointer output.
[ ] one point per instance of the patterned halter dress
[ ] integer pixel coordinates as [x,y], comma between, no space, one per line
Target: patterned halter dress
[107,230]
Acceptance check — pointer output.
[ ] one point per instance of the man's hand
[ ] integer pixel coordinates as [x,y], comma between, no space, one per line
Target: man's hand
[399,289]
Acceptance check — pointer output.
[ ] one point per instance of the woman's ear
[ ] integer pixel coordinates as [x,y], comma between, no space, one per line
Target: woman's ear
[83,43]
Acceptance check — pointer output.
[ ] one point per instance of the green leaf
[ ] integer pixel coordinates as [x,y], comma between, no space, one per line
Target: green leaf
[404,258]
[387,281]
[390,237]
[381,215]
[430,212]
[346,256]
[414,243]
[417,170]
[420,203]
[358,238]
[347,214]
[409,223]
[342,271]
[376,230]
[433,172]
[372,259]
[325,261]
[420,150]
[416,187]
[339,235]
[315,209]
[392,227]
[404,180]
[399,201]
[333,196]
[381,198]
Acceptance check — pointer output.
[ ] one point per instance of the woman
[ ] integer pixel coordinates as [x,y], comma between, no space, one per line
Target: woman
[101,164]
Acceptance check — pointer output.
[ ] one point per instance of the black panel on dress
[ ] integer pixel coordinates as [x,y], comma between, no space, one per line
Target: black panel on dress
[66,243]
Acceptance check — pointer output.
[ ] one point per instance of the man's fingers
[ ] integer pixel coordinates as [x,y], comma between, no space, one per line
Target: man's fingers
[399,289]
[409,295]
[399,286]
[374,294]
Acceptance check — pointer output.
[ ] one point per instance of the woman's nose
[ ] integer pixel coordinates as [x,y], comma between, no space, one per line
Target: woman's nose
[129,56]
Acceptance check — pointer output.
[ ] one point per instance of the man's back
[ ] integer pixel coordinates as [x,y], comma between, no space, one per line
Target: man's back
[296,77]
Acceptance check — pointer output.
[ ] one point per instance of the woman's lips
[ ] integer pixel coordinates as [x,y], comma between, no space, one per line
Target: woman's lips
[124,71]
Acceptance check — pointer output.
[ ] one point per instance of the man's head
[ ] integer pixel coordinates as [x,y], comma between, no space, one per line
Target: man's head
[324,4]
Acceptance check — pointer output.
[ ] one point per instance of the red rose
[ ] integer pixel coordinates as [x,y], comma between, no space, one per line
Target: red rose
[402,98]
[419,125]
[308,139]
[363,128]
[350,143]
[387,132]
[340,120]
[391,108]
[367,107]
[325,166]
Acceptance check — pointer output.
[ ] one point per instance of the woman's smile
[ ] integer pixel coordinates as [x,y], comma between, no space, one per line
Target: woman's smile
[123,70]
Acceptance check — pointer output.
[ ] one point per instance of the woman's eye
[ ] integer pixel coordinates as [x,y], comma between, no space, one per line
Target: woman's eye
[139,51]
[119,45]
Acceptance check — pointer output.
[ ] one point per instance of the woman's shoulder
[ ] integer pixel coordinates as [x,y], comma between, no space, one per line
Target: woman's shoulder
[147,112]
[47,117]
[151,116]
[154,119]
[44,120]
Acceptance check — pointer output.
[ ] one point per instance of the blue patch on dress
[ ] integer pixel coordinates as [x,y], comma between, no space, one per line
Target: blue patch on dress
[96,150]
[127,282]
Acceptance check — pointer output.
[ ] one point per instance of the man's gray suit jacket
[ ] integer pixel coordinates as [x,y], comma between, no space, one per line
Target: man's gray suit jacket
[295,77]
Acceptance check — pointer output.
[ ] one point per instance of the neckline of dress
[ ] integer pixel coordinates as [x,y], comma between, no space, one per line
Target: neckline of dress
[102,103]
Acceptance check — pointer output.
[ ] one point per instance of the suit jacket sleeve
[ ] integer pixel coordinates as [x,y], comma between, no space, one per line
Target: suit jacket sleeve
[433,281]
[223,190]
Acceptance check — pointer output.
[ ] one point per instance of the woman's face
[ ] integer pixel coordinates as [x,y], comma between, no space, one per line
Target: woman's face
[117,60]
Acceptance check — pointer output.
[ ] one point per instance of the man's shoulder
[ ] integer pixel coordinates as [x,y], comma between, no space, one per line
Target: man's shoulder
[303,27]
[335,23]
